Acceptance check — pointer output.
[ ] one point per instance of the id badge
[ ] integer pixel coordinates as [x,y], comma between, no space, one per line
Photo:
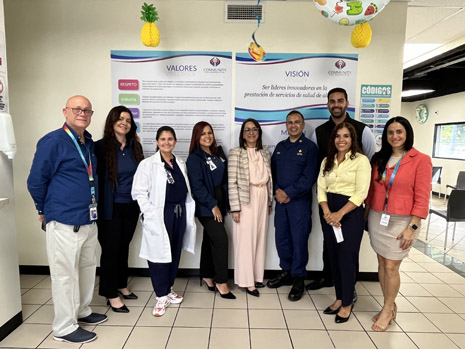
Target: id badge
[211,164]
[169,177]
[385,219]
[93,211]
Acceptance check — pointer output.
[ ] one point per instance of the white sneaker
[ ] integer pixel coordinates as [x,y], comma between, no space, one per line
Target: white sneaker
[175,298]
[160,308]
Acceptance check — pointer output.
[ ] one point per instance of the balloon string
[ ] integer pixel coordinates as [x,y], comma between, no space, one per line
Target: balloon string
[258,25]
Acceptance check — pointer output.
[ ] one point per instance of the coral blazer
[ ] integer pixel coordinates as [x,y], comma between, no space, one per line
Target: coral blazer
[410,191]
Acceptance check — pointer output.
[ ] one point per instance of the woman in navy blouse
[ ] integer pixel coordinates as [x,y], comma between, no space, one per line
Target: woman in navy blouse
[118,153]
[207,171]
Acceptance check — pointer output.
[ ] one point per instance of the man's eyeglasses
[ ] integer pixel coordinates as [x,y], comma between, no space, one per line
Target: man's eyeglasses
[77,111]
[250,130]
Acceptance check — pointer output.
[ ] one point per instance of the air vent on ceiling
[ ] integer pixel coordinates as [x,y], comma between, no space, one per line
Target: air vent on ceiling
[243,12]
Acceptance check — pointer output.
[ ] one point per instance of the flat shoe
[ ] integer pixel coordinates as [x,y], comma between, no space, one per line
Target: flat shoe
[128,296]
[329,311]
[259,285]
[254,292]
[340,319]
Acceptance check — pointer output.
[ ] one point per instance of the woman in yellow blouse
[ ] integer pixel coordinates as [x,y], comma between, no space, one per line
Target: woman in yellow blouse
[343,184]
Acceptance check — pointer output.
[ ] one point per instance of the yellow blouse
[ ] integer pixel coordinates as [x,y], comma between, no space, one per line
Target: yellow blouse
[350,178]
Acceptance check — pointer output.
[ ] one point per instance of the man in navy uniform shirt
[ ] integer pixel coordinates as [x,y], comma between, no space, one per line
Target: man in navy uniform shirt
[63,187]
[294,169]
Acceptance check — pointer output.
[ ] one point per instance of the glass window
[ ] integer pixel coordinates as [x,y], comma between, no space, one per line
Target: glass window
[449,141]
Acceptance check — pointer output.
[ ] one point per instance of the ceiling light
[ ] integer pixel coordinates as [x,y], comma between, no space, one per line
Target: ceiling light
[409,93]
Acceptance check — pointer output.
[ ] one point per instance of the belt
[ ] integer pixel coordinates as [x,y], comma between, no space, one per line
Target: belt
[258,185]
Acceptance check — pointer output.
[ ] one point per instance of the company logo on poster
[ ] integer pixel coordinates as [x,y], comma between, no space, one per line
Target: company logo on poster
[340,64]
[215,61]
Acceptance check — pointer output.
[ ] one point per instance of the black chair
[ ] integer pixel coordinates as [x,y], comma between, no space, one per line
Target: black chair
[460,184]
[436,179]
[455,212]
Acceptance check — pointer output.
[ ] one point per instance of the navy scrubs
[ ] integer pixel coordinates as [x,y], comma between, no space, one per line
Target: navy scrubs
[163,275]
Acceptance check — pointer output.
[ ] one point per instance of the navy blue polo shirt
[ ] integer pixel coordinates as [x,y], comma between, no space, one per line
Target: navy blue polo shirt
[218,172]
[58,181]
[127,166]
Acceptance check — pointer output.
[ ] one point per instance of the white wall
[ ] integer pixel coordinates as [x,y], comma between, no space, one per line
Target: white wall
[65,49]
[10,301]
[441,110]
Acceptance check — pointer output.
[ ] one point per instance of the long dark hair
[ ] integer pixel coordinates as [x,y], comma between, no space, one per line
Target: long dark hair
[112,144]
[165,129]
[381,158]
[195,139]
[242,142]
[332,150]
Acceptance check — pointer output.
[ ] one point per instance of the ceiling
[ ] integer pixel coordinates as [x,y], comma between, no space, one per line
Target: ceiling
[436,33]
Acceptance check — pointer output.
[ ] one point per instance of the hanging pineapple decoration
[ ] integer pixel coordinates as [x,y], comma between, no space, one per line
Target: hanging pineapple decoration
[150,35]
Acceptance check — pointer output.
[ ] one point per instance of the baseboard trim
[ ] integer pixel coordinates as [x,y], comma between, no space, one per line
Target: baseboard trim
[189,272]
[11,325]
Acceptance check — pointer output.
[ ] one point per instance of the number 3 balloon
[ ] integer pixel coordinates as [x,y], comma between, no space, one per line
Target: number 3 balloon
[350,12]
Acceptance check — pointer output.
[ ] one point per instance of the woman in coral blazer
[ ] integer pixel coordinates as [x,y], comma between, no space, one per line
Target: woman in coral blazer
[397,201]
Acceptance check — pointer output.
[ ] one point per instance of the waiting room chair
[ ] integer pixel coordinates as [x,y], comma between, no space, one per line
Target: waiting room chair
[455,212]
[460,184]
[436,179]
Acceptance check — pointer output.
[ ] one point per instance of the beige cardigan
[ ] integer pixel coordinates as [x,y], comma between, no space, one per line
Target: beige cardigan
[238,177]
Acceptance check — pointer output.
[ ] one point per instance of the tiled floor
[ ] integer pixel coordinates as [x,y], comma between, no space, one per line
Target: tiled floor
[431,313]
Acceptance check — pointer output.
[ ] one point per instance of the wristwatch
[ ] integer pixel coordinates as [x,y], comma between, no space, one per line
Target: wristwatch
[413,226]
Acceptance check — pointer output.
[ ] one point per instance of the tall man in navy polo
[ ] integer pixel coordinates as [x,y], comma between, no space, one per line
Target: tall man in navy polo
[62,184]
[337,106]
[294,169]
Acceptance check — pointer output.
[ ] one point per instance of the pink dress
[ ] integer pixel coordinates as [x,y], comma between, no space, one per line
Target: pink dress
[249,234]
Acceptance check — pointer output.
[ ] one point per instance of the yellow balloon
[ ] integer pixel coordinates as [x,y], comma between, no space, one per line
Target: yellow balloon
[361,35]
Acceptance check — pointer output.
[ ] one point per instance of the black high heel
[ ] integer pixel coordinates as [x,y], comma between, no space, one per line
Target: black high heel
[228,295]
[122,309]
[210,288]
[132,295]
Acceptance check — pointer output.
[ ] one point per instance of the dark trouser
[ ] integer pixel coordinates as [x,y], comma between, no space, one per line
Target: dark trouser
[343,256]
[327,272]
[293,223]
[114,236]
[214,255]
[163,275]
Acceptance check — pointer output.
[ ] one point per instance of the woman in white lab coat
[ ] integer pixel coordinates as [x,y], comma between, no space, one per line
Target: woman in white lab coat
[161,188]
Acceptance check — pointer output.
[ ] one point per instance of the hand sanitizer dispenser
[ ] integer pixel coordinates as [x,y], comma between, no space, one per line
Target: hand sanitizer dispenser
[7,136]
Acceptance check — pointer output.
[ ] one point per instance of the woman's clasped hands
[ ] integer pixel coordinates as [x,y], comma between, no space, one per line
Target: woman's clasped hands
[333,218]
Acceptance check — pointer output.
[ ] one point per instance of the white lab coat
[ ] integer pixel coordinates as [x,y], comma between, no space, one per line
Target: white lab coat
[149,188]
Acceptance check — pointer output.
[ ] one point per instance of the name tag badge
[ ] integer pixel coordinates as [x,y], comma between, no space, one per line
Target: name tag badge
[93,212]
[385,219]
[169,177]
[211,164]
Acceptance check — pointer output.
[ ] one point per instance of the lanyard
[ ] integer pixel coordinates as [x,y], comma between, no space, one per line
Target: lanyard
[88,167]
[391,180]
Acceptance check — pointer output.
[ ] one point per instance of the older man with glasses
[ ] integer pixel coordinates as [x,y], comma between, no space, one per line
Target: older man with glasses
[62,183]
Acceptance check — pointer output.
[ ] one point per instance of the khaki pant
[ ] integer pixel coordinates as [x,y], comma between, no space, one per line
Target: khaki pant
[72,261]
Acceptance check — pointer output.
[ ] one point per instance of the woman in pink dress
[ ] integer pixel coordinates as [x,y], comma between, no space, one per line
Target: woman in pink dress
[250,199]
